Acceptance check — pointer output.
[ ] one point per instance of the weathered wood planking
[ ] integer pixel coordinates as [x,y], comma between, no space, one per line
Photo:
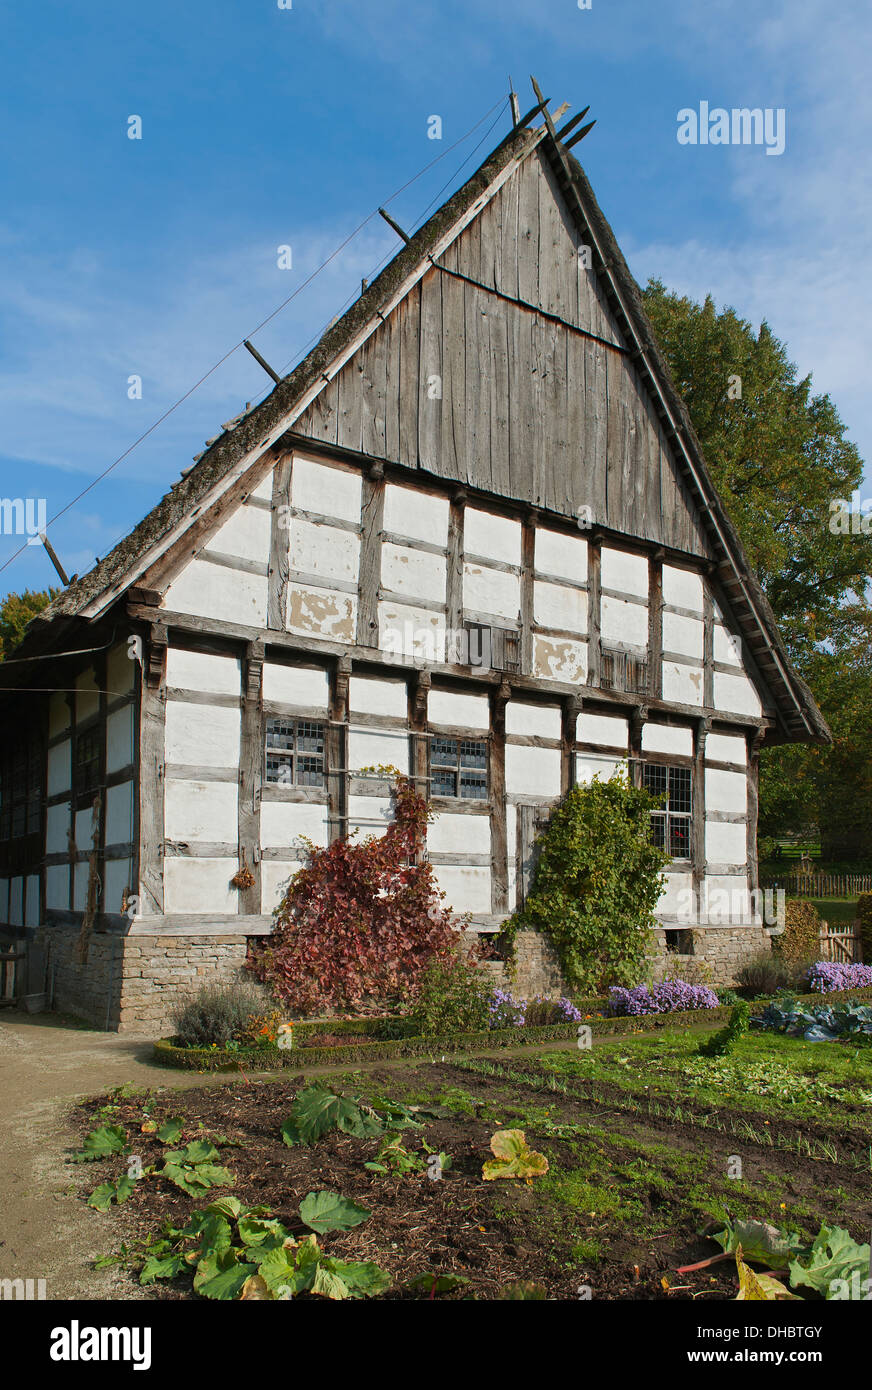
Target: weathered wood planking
[530,408]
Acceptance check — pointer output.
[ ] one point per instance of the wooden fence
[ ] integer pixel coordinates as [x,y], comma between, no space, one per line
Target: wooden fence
[821,885]
[840,943]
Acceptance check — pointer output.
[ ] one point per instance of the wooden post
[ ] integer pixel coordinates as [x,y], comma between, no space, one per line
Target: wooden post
[528,551]
[279,546]
[655,624]
[572,708]
[708,698]
[755,739]
[499,810]
[454,575]
[251,761]
[594,598]
[697,818]
[337,750]
[638,719]
[152,777]
[372,518]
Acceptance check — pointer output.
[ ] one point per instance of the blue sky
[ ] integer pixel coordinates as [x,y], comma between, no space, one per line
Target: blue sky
[263,126]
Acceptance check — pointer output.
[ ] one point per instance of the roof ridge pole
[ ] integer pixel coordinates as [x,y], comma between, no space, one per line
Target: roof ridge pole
[514,103]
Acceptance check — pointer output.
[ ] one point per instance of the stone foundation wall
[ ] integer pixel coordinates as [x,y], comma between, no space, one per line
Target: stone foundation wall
[723,950]
[132,983]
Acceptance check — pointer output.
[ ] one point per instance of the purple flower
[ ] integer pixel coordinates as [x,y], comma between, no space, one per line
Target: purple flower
[669,996]
[826,976]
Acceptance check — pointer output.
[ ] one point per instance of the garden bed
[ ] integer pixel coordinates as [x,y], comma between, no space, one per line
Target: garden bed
[272,1058]
[638,1135]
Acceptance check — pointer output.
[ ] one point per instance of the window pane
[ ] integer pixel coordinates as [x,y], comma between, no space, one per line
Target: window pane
[658,830]
[279,769]
[474,785]
[443,752]
[473,753]
[679,789]
[310,737]
[443,782]
[310,771]
[654,779]
[280,734]
[679,837]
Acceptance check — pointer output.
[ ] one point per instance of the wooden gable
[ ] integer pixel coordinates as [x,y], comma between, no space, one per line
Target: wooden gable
[505,369]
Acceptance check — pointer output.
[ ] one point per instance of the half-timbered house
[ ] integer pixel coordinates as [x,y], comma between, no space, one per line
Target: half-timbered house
[471,536]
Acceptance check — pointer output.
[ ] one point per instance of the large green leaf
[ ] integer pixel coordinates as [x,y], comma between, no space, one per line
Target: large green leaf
[362,1278]
[108,1192]
[317,1110]
[221,1276]
[760,1243]
[101,1143]
[513,1157]
[329,1211]
[834,1255]
[165,1267]
[193,1168]
[759,1288]
[255,1230]
[171,1130]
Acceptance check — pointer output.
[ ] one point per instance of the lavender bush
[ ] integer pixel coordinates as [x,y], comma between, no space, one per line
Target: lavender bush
[825,976]
[669,996]
[505,1011]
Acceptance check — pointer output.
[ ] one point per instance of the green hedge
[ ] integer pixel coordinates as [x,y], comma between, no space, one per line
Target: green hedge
[302,1058]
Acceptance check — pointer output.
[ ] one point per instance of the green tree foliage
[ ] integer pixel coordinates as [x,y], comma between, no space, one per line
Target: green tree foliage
[596,883]
[779,458]
[16,611]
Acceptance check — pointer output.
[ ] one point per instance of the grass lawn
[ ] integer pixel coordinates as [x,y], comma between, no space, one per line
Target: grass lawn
[639,1135]
[835,909]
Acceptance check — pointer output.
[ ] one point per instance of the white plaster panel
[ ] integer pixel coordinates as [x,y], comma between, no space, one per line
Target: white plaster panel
[492,537]
[727,647]
[559,553]
[324,550]
[662,738]
[682,685]
[217,675]
[119,739]
[725,843]
[683,588]
[304,686]
[417,573]
[57,823]
[282,823]
[726,748]
[467,889]
[623,622]
[245,533]
[725,899]
[87,696]
[274,879]
[264,489]
[116,877]
[420,515]
[31,899]
[84,829]
[58,773]
[58,714]
[491,591]
[202,736]
[315,612]
[80,887]
[57,886]
[213,591]
[683,635]
[377,748]
[201,811]
[725,791]
[448,707]
[541,721]
[591,765]
[405,630]
[555,606]
[625,572]
[16,902]
[532,771]
[609,730]
[559,659]
[369,815]
[119,813]
[452,834]
[368,695]
[325,488]
[736,694]
[200,885]
[677,899]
